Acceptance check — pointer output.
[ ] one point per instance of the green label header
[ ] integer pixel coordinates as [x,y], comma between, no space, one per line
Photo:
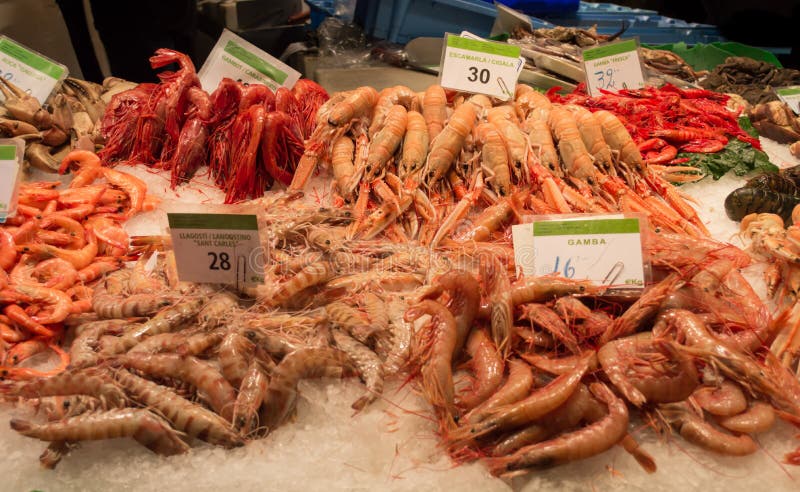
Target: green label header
[489,47]
[788,91]
[31,59]
[213,221]
[8,153]
[257,63]
[609,50]
[585,227]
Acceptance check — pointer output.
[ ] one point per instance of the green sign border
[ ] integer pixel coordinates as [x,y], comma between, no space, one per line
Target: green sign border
[8,153]
[234,222]
[261,66]
[585,227]
[488,47]
[788,91]
[31,59]
[609,50]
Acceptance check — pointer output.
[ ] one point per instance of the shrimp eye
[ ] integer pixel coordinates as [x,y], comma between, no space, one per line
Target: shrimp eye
[328,241]
[347,213]
[250,334]
[431,174]
[519,165]
[369,168]
[66,404]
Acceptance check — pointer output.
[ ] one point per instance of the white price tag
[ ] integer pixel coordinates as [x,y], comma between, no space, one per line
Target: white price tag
[11,151]
[28,70]
[606,250]
[217,248]
[791,96]
[483,67]
[235,58]
[613,66]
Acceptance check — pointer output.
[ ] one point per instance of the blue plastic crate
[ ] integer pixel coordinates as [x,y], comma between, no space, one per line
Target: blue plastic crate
[320,9]
[400,21]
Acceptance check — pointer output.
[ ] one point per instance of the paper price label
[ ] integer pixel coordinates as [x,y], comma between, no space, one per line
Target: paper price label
[606,251]
[237,59]
[11,151]
[613,66]
[482,67]
[28,70]
[791,96]
[217,248]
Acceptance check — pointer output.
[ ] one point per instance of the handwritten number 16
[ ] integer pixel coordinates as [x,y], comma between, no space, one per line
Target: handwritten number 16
[569,270]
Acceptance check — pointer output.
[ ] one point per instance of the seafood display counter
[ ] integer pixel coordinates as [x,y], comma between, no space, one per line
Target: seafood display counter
[393,343]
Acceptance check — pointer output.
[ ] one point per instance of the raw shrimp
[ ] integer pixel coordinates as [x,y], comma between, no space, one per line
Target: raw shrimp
[672,380]
[367,364]
[385,142]
[214,311]
[568,415]
[758,418]
[536,405]
[592,135]
[516,141]
[725,400]
[498,288]
[55,273]
[342,163]
[531,104]
[398,95]
[434,110]
[281,395]
[188,417]
[133,186]
[620,140]
[463,301]
[351,320]
[116,307]
[164,321]
[8,252]
[588,441]
[542,144]
[494,157]
[544,317]
[516,387]
[487,365]
[539,289]
[148,429]
[313,274]
[578,163]
[357,104]
[435,346]
[415,145]
[59,303]
[447,145]
[64,406]
[93,383]
[251,394]
[401,333]
[234,355]
[81,352]
[210,383]
[488,221]
[200,342]
[703,434]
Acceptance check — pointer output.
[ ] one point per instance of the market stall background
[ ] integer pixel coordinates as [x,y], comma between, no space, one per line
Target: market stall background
[327,446]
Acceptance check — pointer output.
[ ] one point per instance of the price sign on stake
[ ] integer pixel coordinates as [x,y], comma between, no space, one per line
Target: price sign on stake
[28,70]
[791,96]
[607,251]
[235,58]
[483,67]
[217,248]
[613,66]
[11,151]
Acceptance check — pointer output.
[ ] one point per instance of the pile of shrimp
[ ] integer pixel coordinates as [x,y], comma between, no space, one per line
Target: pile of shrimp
[416,164]
[545,370]
[166,362]
[779,246]
[555,371]
[668,119]
[246,134]
[59,242]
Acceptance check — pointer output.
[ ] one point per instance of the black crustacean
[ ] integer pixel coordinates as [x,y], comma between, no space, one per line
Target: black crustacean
[776,193]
